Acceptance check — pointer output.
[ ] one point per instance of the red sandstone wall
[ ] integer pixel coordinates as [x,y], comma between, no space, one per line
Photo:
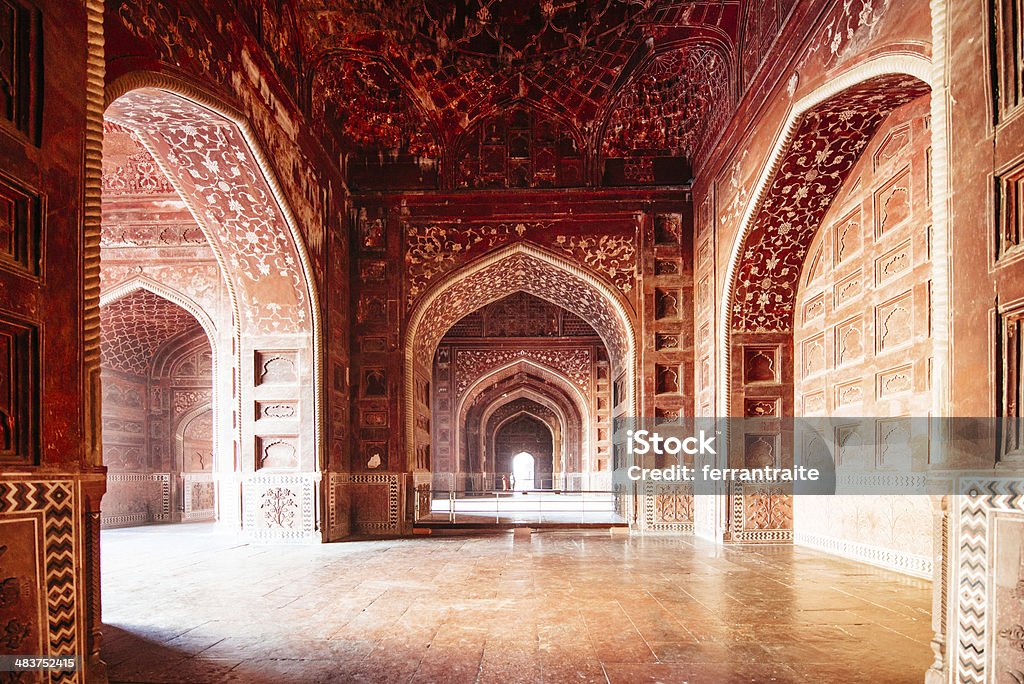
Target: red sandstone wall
[46,484]
[863,326]
[818,44]
[863,342]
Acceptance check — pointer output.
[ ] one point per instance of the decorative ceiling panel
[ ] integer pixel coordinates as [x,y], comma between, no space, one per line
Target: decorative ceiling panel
[678,99]
[134,327]
[450,65]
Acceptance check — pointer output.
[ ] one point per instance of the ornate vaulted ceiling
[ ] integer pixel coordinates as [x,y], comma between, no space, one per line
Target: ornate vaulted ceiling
[134,327]
[526,93]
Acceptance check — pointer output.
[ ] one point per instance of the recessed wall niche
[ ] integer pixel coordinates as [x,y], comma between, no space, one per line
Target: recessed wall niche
[279,452]
[276,368]
[668,228]
[668,303]
[760,364]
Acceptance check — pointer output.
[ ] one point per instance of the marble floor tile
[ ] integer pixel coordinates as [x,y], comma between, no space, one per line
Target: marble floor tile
[189,603]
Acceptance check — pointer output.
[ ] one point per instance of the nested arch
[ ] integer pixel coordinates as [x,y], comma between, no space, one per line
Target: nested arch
[523,379]
[550,413]
[210,155]
[185,428]
[521,267]
[527,434]
[555,451]
[180,299]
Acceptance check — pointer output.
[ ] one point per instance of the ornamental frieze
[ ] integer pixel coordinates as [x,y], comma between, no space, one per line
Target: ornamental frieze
[432,249]
[472,364]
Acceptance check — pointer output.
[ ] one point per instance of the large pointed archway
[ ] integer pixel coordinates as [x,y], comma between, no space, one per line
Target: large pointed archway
[518,268]
[823,139]
[269,357]
[521,267]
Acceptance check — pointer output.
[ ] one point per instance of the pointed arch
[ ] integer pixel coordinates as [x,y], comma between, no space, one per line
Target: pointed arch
[142,282]
[521,267]
[152,103]
[876,87]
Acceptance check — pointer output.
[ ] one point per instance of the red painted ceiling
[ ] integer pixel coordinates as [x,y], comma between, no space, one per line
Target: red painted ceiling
[421,77]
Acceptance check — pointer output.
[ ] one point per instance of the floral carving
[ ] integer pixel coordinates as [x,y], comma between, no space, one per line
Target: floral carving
[526,273]
[471,364]
[210,160]
[674,508]
[186,399]
[821,154]
[768,508]
[279,507]
[435,248]
[612,256]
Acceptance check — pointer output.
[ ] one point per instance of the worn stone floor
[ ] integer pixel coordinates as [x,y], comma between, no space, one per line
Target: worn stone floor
[189,604]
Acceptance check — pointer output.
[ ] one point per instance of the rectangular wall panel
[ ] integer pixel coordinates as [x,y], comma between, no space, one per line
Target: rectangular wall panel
[19,393]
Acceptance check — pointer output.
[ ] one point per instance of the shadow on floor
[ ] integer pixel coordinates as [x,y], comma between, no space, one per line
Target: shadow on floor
[157,657]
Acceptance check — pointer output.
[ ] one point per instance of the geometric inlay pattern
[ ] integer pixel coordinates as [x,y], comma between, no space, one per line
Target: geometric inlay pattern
[984,497]
[55,500]
[134,327]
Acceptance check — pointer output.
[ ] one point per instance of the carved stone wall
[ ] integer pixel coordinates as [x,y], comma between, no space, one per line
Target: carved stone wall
[157,411]
[863,339]
[410,244]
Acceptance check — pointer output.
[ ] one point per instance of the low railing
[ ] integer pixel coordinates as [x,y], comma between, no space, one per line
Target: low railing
[470,483]
[472,498]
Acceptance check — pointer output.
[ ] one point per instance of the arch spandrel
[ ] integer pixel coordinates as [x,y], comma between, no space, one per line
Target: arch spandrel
[208,160]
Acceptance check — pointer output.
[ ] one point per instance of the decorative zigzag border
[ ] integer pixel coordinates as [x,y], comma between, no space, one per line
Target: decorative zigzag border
[56,500]
[983,498]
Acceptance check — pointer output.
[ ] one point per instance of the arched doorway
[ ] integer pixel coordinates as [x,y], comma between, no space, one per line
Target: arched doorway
[523,449]
[575,420]
[193,218]
[520,270]
[823,274]
[523,471]
[157,366]
[256,285]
